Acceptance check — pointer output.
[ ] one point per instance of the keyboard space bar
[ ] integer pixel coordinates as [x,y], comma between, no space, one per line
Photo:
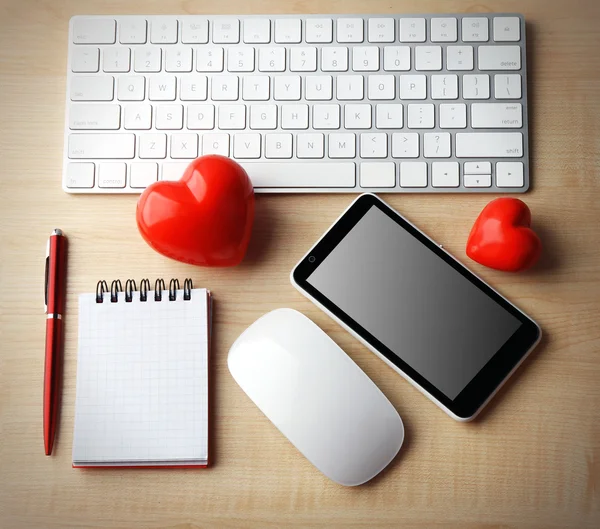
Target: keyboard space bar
[299,174]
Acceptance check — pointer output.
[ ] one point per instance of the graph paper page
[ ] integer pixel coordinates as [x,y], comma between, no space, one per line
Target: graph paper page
[142,381]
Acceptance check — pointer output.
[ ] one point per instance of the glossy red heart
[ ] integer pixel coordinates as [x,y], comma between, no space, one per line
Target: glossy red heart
[501,237]
[205,218]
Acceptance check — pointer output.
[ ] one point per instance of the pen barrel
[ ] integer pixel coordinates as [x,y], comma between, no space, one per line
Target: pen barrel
[52,379]
[57,274]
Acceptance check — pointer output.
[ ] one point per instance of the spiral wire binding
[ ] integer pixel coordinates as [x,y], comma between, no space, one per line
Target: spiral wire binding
[131,287]
[159,286]
[101,288]
[144,287]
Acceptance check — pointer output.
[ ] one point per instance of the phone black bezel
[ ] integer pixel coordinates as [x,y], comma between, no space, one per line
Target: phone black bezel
[485,383]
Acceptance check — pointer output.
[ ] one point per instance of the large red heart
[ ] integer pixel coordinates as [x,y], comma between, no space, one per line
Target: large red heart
[205,218]
[501,237]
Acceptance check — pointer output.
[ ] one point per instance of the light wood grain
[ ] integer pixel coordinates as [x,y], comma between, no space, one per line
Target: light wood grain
[531,460]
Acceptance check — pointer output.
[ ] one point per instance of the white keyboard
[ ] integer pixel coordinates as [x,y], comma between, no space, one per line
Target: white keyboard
[311,103]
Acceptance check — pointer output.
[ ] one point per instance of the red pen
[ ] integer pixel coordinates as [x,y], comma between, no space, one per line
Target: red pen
[55,293]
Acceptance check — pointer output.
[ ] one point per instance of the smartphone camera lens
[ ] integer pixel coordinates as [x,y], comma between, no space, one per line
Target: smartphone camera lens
[312,259]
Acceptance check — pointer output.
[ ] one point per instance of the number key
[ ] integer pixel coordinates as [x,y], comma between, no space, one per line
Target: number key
[240,59]
[334,59]
[303,60]
[209,59]
[147,59]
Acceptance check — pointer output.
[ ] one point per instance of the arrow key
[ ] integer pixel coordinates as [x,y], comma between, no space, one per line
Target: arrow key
[478,180]
[478,168]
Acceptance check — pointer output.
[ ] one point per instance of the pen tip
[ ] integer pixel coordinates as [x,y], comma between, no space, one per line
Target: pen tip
[57,231]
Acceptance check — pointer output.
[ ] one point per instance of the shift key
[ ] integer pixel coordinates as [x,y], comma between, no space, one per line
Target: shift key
[104,146]
[489,145]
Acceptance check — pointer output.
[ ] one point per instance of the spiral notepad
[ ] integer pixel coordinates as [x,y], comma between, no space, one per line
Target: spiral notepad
[142,376]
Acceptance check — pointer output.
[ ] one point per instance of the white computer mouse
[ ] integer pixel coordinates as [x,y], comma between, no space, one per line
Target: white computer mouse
[317,396]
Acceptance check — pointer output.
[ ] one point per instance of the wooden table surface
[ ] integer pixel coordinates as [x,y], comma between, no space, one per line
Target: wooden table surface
[531,460]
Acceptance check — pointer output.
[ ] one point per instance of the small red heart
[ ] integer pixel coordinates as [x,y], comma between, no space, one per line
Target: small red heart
[501,237]
[205,218]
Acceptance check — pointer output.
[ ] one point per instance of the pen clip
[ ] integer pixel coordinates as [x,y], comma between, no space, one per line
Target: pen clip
[46,275]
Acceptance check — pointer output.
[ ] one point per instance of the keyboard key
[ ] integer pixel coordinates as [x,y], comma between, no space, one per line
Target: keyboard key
[112,175]
[163,31]
[509,174]
[232,117]
[116,59]
[169,117]
[142,174]
[147,59]
[496,115]
[365,58]
[388,116]
[499,57]
[287,88]
[396,58]
[342,145]
[288,31]
[162,88]
[436,145]
[478,168]
[381,87]
[294,116]
[444,87]
[193,88]
[310,145]
[257,31]
[133,31]
[303,59]
[240,59]
[489,144]
[357,116]
[405,145]
[507,86]
[94,31]
[92,88]
[224,88]
[278,146]
[381,30]
[138,117]
[319,30]
[184,146]
[377,174]
[453,116]
[474,29]
[94,117]
[413,174]
[215,144]
[373,145]
[421,116]
[201,117]
[301,174]
[478,180]
[246,146]
[85,60]
[350,30]
[326,117]
[476,86]
[412,30]
[444,174]
[350,87]
[209,59]
[80,175]
[507,29]
[413,87]
[271,59]
[318,88]
[226,31]
[153,146]
[334,59]
[255,88]
[194,30]
[443,30]
[428,57]
[459,57]
[263,117]
[178,59]
[172,172]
